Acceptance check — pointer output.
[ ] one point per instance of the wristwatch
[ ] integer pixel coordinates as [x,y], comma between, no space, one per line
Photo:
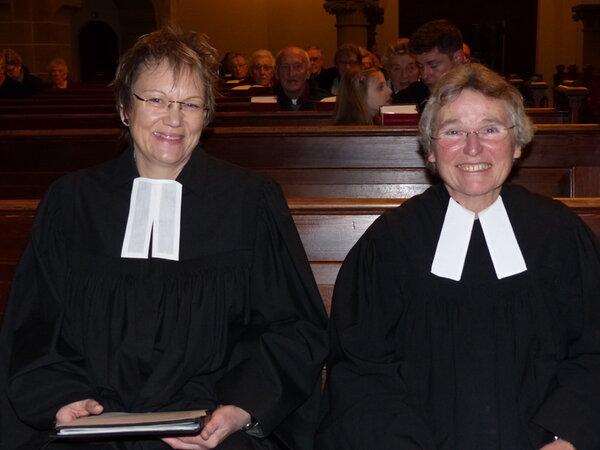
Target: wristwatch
[253,429]
[249,426]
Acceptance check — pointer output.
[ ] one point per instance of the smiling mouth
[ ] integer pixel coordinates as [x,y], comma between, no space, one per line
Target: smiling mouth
[166,136]
[474,167]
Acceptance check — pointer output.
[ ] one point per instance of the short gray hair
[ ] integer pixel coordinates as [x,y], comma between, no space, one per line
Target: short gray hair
[480,79]
[262,53]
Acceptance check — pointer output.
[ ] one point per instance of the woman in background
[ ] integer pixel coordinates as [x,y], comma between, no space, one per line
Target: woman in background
[401,66]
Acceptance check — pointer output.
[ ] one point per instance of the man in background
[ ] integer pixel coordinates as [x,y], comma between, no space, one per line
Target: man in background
[346,56]
[294,90]
[438,48]
[316,61]
[9,88]
[20,73]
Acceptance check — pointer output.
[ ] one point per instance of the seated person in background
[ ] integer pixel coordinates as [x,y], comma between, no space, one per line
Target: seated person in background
[362,92]
[262,69]
[438,48]
[401,66]
[59,74]
[9,88]
[367,59]
[225,66]
[18,72]
[239,67]
[294,90]
[468,318]
[346,56]
[316,60]
[373,48]
[205,302]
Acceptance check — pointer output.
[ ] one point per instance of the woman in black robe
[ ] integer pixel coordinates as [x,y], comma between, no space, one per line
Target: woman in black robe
[164,280]
[469,317]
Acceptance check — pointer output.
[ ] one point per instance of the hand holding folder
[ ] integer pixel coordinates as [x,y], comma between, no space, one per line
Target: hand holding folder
[121,423]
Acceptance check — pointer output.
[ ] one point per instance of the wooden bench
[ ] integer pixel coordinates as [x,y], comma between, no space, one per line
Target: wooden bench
[315,161]
[223,118]
[74,120]
[328,229]
[57,108]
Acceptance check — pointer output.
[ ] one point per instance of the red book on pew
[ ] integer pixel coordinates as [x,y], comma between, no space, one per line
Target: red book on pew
[264,103]
[325,104]
[399,115]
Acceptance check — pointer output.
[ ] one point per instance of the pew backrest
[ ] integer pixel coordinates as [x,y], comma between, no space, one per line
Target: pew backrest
[328,229]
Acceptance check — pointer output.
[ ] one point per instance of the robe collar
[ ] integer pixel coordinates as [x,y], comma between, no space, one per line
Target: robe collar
[453,243]
[154,217]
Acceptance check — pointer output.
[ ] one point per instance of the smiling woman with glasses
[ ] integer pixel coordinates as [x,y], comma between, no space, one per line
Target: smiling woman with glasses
[468,317]
[162,104]
[164,280]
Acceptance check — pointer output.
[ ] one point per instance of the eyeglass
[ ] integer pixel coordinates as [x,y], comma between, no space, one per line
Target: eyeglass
[488,133]
[163,104]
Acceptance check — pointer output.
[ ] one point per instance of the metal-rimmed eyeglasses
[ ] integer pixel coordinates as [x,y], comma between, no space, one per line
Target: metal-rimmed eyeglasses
[162,104]
[489,133]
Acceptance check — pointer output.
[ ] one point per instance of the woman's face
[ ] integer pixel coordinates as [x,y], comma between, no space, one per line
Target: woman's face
[474,169]
[378,92]
[403,71]
[165,136]
[262,71]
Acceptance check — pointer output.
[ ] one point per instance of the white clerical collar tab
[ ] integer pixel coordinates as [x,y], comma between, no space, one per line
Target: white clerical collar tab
[451,251]
[501,240]
[154,210]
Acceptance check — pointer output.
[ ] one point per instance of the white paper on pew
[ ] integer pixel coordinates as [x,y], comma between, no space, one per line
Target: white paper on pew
[399,109]
[264,99]
[328,99]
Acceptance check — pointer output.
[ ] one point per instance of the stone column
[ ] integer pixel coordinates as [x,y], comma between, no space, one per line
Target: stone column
[352,19]
[589,14]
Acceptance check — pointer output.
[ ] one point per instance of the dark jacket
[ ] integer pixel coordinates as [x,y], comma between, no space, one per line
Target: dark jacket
[306,102]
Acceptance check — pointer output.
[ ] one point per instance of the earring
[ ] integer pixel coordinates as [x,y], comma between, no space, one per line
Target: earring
[125,122]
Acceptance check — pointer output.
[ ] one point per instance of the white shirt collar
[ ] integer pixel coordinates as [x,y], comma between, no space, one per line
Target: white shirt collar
[452,246]
[154,210]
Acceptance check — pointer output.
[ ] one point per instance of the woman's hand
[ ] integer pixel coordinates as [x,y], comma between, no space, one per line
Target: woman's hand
[77,409]
[559,444]
[221,423]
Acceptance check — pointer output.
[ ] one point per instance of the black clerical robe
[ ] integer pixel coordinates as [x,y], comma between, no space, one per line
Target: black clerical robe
[237,320]
[423,362]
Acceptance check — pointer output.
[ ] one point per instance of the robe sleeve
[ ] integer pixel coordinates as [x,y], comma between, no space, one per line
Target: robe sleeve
[44,372]
[368,402]
[572,410]
[275,366]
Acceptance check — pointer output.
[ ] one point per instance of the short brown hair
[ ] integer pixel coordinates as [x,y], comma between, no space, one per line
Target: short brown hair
[182,50]
[12,58]
[438,33]
[346,50]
